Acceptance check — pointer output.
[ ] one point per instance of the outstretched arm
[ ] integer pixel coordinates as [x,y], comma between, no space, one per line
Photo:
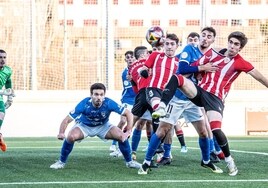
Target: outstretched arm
[65,122]
[259,77]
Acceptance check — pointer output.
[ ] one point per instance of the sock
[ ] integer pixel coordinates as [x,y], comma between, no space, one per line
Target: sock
[204,146]
[136,137]
[66,150]
[125,150]
[114,142]
[211,145]
[222,141]
[216,145]
[149,134]
[180,137]
[155,123]
[167,148]
[170,89]
[153,145]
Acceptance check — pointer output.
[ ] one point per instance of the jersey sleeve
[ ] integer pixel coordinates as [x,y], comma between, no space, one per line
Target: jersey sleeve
[243,65]
[115,107]
[78,110]
[150,60]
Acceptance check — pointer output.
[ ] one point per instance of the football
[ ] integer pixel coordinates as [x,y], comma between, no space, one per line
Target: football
[154,34]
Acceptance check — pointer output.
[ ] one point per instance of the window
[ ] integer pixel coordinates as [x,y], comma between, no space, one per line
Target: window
[136,22]
[136,2]
[173,22]
[192,2]
[69,2]
[172,2]
[254,2]
[155,2]
[235,2]
[115,2]
[192,22]
[219,22]
[219,2]
[70,22]
[90,2]
[253,22]
[235,22]
[155,22]
[90,22]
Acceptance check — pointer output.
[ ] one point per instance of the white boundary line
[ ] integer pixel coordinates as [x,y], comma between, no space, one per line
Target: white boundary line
[134,181]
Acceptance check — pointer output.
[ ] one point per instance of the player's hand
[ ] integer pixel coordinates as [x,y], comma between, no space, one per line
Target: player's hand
[9,102]
[126,135]
[61,136]
[8,92]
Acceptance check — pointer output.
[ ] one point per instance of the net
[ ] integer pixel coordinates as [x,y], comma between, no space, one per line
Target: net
[55,45]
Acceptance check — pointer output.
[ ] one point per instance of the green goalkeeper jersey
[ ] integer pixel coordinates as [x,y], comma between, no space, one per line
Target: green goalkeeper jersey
[5,79]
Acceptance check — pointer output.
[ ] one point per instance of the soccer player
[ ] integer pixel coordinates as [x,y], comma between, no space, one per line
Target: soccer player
[127,99]
[92,119]
[5,81]
[214,87]
[139,84]
[192,39]
[180,106]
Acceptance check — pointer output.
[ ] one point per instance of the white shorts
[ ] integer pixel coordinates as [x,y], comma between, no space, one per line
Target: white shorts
[99,131]
[127,106]
[177,109]
[147,116]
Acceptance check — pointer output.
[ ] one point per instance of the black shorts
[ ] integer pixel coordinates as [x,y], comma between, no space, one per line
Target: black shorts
[152,92]
[141,104]
[208,101]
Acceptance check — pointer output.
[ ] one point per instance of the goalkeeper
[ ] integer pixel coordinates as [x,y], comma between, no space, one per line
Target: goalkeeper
[5,81]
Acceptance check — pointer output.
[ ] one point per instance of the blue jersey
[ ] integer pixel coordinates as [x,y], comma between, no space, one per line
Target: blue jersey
[128,95]
[91,116]
[189,54]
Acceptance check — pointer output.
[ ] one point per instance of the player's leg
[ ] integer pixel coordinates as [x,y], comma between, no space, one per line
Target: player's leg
[136,137]
[76,133]
[124,146]
[194,114]
[3,145]
[153,145]
[166,158]
[214,109]
[180,135]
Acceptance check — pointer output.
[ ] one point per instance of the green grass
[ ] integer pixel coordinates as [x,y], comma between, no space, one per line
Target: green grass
[27,160]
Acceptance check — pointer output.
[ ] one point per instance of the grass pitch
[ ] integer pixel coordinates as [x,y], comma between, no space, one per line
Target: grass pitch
[26,164]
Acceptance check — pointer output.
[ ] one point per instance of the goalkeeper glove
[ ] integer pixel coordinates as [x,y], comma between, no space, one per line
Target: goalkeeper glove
[7,92]
[9,102]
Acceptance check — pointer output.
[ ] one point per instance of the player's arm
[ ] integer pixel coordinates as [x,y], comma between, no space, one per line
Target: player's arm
[65,122]
[9,92]
[129,118]
[259,77]
[144,71]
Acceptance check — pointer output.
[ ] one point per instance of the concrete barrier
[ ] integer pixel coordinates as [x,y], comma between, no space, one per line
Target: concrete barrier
[39,113]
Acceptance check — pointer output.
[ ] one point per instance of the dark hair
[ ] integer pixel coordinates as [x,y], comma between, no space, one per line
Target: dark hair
[2,51]
[138,51]
[129,52]
[193,35]
[173,36]
[239,36]
[97,86]
[210,29]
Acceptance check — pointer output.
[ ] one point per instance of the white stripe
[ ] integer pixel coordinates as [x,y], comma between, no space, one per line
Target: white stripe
[133,181]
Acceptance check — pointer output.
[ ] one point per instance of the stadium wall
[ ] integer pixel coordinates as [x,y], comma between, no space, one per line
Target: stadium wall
[39,113]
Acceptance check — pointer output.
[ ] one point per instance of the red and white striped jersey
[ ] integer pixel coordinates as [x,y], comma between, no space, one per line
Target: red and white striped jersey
[161,68]
[219,82]
[133,71]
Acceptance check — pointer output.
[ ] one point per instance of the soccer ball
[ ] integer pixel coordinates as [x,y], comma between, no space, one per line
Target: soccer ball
[154,34]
